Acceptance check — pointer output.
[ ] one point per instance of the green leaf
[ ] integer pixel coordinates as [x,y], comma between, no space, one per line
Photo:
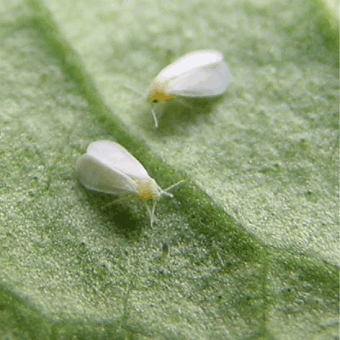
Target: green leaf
[252,235]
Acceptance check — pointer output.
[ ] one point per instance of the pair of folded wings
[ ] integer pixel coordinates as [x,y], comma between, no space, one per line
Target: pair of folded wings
[197,74]
[107,167]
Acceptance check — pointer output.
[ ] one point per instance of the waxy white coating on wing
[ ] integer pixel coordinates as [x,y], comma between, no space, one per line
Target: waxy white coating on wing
[208,81]
[116,157]
[188,63]
[97,176]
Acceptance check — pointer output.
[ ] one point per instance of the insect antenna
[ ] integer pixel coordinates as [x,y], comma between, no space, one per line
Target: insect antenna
[134,90]
[165,191]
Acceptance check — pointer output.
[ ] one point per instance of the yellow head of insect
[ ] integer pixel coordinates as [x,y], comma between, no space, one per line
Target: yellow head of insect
[159,93]
[147,189]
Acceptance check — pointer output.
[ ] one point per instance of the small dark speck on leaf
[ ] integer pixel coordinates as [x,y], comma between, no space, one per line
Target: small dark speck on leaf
[165,249]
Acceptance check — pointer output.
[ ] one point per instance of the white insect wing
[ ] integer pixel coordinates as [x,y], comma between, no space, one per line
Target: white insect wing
[209,81]
[96,175]
[117,158]
[188,63]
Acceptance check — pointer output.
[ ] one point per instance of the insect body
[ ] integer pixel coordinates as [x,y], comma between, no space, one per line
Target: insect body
[109,168]
[197,75]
